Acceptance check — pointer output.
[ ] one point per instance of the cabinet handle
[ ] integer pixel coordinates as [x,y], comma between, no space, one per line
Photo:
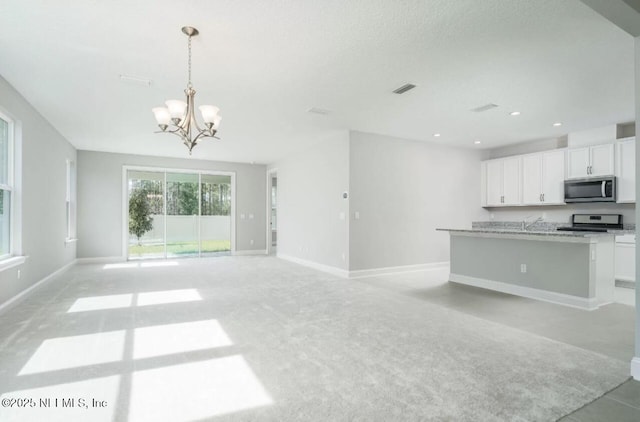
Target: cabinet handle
[540,197]
[543,197]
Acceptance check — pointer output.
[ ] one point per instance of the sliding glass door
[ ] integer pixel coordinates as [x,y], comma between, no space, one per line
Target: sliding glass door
[178,214]
[182,214]
[146,214]
[215,210]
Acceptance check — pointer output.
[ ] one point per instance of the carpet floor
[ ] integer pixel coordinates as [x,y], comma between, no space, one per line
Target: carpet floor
[258,338]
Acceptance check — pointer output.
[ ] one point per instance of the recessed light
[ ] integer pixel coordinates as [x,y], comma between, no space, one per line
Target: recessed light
[437,135]
[557,124]
[514,113]
[476,142]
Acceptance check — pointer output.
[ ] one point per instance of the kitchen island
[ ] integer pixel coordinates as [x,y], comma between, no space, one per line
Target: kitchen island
[570,268]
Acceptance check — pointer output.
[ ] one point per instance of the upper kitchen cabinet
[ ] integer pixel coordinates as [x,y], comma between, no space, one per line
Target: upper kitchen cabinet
[597,160]
[543,178]
[626,169]
[503,182]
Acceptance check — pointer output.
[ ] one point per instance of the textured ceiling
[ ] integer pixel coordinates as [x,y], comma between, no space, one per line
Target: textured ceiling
[265,63]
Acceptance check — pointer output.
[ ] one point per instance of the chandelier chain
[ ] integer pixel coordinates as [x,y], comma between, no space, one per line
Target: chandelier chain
[189,85]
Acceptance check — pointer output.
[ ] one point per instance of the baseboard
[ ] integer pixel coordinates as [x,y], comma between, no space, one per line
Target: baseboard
[316,266]
[531,293]
[398,270]
[635,368]
[250,252]
[102,260]
[34,286]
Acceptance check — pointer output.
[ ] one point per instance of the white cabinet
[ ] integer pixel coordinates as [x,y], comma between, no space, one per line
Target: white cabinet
[597,160]
[543,178]
[503,182]
[625,258]
[626,170]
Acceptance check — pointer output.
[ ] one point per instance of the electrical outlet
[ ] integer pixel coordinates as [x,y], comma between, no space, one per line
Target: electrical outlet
[251,242]
[544,215]
[19,273]
[356,215]
[523,268]
[242,216]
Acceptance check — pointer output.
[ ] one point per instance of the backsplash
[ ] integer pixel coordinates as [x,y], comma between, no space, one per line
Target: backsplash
[561,213]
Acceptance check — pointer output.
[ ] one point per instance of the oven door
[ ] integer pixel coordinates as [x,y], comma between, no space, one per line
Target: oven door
[590,190]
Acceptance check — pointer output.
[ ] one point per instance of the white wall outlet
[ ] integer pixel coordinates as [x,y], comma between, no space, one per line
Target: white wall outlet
[242,216]
[544,215]
[356,215]
[251,242]
[492,216]
[19,274]
[250,216]
[341,216]
[523,268]
[344,257]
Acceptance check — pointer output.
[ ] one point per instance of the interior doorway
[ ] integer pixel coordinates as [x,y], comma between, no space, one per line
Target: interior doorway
[178,213]
[272,211]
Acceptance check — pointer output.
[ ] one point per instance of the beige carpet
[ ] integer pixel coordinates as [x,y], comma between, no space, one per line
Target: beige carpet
[257,338]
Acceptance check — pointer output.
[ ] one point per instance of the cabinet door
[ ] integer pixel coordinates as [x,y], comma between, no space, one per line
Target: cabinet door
[602,160]
[625,261]
[511,181]
[494,183]
[553,177]
[626,171]
[577,162]
[532,179]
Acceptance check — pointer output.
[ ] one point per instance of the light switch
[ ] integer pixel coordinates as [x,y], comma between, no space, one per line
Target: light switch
[250,216]
[341,216]
[356,215]
[242,216]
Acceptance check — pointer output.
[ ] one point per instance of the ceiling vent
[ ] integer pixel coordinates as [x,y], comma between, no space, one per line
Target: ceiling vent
[316,110]
[135,80]
[404,88]
[484,107]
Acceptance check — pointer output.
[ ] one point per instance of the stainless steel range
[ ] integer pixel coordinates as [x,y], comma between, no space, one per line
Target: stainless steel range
[594,223]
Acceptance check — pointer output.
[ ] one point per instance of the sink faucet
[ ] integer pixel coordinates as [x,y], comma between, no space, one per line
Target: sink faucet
[526,226]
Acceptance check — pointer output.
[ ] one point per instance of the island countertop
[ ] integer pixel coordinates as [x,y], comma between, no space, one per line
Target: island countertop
[541,233]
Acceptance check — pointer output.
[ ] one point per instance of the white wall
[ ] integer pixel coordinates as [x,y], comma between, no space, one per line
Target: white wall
[44,178]
[403,190]
[310,203]
[100,225]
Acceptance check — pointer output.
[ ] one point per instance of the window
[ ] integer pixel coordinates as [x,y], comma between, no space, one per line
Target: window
[71,200]
[6,186]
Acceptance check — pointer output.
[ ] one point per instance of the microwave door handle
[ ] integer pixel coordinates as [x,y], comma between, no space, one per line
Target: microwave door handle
[602,188]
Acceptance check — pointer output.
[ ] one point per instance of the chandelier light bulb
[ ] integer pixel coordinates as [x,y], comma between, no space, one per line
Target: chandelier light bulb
[163,117]
[176,108]
[209,113]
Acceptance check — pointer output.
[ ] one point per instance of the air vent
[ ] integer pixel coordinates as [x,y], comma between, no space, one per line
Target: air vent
[135,80]
[484,107]
[404,88]
[317,110]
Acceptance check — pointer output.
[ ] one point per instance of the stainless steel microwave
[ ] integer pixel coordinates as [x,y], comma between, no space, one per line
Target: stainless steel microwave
[595,189]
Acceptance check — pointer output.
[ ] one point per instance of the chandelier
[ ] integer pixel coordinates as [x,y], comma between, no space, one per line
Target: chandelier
[181,115]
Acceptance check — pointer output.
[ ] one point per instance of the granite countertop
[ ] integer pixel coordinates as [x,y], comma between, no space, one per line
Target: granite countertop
[532,232]
[536,229]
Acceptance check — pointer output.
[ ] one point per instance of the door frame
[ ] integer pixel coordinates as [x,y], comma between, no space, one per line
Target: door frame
[165,170]
[270,173]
